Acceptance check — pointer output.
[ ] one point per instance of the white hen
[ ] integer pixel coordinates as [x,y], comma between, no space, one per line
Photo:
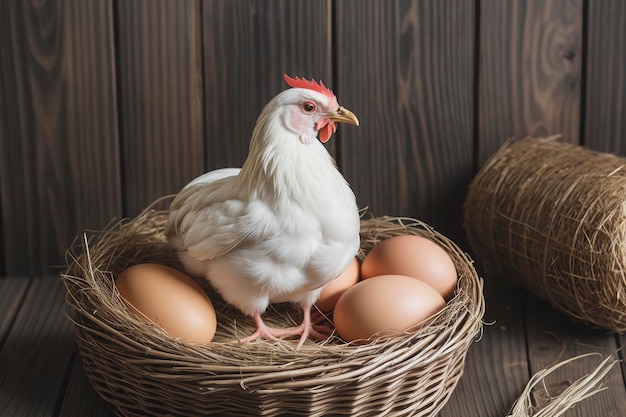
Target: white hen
[281,227]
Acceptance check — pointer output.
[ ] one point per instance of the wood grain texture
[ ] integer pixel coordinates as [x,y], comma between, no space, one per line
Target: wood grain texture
[12,292]
[605,115]
[37,352]
[530,71]
[160,72]
[248,46]
[552,338]
[58,128]
[406,69]
[80,398]
[621,341]
[496,367]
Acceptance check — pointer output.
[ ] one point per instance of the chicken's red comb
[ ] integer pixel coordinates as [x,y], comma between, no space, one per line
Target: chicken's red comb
[311,85]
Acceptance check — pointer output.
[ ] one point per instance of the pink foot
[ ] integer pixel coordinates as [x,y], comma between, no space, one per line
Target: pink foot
[306,329]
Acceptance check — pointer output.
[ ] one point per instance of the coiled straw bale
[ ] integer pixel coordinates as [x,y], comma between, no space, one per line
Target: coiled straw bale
[552,216]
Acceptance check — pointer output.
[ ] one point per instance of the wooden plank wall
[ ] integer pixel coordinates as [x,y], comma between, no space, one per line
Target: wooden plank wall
[107,105]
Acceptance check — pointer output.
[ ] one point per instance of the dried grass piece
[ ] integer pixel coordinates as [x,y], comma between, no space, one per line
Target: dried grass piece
[552,216]
[578,391]
[139,370]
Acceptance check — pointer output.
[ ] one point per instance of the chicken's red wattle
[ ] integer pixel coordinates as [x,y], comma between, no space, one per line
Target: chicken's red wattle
[326,131]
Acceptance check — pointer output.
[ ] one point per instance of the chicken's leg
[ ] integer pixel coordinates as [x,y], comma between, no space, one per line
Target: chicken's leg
[305,330]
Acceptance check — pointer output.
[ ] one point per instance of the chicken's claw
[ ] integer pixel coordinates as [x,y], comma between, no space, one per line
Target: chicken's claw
[305,330]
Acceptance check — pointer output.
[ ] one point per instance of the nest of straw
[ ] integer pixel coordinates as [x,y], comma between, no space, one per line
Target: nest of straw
[139,370]
[552,216]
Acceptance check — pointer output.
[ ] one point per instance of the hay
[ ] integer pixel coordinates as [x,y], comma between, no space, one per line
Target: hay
[555,406]
[552,216]
[139,370]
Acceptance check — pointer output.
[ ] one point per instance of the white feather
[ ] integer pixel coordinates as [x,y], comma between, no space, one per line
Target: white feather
[215,175]
[278,229]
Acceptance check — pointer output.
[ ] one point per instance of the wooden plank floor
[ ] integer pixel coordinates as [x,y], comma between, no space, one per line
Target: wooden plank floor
[41,372]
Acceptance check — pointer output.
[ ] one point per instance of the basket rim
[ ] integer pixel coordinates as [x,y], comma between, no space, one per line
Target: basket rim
[285,367]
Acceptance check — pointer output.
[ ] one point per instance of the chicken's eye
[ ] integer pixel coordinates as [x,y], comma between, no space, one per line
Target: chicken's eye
[309,106]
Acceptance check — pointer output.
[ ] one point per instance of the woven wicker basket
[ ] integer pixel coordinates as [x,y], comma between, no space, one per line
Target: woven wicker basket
[141,371]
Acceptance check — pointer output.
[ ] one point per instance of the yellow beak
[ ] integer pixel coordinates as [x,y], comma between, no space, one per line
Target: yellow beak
[343,115]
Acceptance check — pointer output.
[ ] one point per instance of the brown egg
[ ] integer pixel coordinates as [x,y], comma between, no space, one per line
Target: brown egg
[338,286]
[385,305]
[413,256]
[170,299]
